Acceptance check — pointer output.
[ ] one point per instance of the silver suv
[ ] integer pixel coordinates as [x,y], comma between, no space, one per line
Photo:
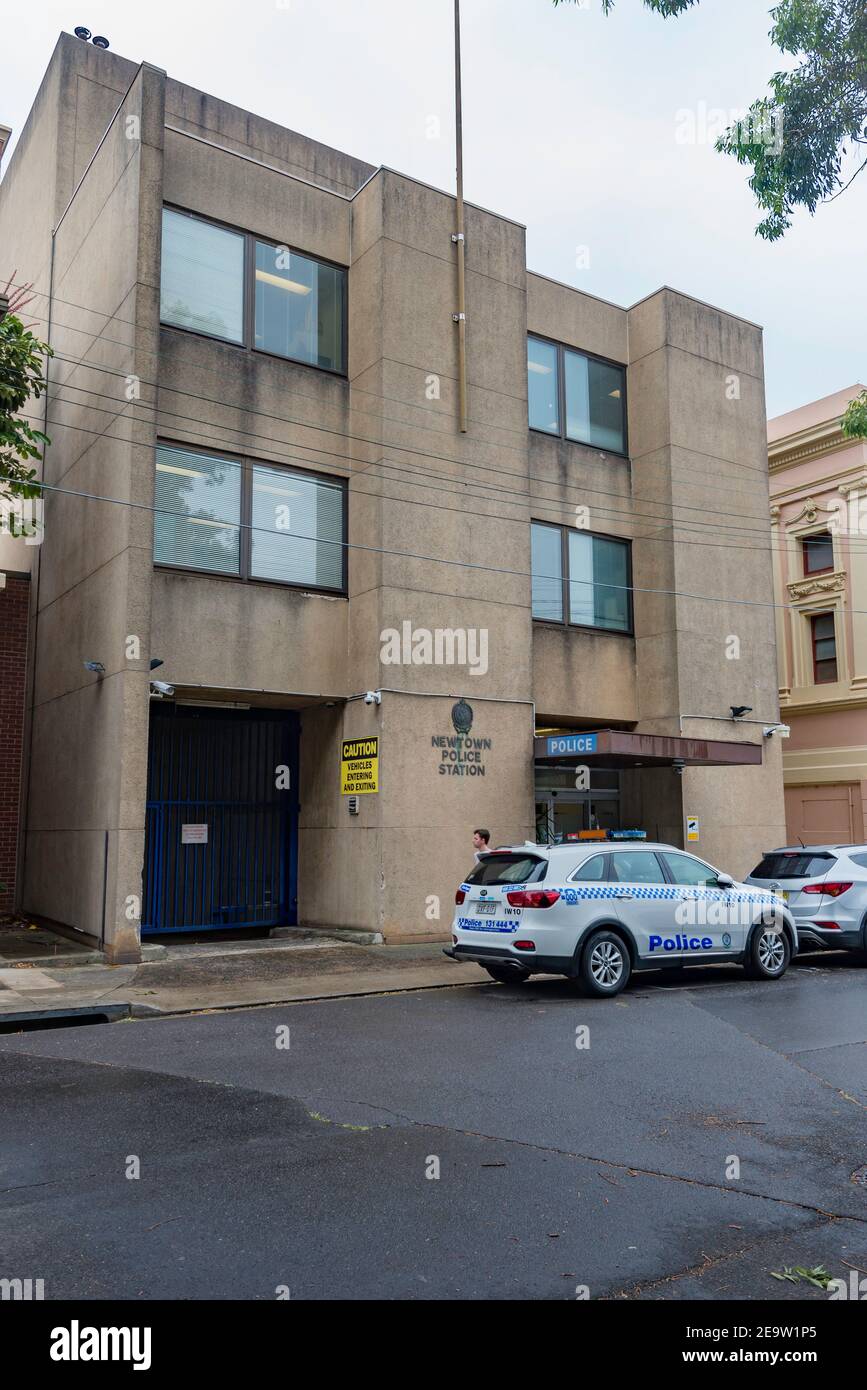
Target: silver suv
[825,888]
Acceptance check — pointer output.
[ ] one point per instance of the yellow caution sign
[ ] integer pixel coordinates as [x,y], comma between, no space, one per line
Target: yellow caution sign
[692,832]
[359,766]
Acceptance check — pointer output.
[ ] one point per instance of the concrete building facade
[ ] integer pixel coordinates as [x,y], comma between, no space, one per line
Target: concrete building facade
[378,632]
[818,481]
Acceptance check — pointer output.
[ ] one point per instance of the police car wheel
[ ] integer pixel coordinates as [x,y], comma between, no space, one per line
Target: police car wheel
[605,966]
[768,955]
[507,974]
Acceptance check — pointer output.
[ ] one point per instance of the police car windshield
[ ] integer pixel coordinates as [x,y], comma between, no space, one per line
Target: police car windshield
[793,865]
[508,868]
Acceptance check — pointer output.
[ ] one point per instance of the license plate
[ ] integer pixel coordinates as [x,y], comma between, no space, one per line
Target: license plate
[486,909]
[783,893]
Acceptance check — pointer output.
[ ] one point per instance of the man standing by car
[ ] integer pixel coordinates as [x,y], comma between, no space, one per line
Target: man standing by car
[481,840]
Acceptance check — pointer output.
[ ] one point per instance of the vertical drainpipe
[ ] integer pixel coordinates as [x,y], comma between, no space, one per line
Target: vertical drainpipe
[460,317]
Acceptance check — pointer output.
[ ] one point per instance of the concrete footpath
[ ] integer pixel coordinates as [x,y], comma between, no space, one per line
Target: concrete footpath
[187,978]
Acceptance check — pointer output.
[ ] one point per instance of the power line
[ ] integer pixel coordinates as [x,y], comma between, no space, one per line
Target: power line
[538,506]
[525,500]
[762,529]
[199,368]
[433,559]
[583,490]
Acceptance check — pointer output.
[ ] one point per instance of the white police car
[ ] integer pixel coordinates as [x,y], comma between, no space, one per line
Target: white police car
[596,911]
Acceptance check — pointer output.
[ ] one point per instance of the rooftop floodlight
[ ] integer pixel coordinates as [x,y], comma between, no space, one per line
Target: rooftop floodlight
[100,41]
[738,711]
[96,667]
[82,33]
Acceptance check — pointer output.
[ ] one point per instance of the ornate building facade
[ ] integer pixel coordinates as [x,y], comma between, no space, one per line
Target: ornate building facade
[818,490]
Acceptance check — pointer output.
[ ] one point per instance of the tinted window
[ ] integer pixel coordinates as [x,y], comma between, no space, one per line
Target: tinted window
[859,859]
[793,866]
[685,870]
[598,581]
[543,391]
[547,567]
[594,870]
[508,868]
[202,277]
[594,402]
[299,307]
[636,866]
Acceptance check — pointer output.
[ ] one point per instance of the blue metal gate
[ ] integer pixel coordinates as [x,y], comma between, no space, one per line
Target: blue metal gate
[221,834]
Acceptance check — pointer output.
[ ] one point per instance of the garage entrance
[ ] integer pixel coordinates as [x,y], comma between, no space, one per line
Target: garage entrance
[221,835]
[827,814]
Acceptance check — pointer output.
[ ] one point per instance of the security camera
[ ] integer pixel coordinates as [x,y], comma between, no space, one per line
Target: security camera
[678,766]
[161,688]
[373,697]
[782,729]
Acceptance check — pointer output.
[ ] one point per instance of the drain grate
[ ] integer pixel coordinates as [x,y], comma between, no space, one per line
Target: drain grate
[860,1176]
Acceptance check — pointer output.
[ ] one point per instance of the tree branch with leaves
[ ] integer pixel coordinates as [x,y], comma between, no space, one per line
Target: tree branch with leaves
[803,138]
[22,379]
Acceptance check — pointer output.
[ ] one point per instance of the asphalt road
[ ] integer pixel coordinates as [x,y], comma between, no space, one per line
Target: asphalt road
[304,1168]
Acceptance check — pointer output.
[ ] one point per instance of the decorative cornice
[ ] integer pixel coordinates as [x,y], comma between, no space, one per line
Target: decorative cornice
[858,484]
[840,706]
[817,584]
[813,443]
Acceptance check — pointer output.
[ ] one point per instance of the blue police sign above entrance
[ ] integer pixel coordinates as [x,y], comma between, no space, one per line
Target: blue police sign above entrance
[571,743]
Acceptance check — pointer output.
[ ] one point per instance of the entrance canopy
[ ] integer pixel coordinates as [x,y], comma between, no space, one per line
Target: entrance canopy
[615,748]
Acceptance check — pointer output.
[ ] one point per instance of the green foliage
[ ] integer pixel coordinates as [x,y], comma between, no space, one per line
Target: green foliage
[664,7]
[818,1275]
[21,379]
[799,139]
[854,422]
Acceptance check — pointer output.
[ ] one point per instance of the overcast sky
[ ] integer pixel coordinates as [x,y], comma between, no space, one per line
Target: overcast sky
[574,124]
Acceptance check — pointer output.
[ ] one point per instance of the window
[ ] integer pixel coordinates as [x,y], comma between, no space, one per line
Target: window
[546,563]
[230,516]
[818,553]
[198,518]
[580,578]
[688,871]
[636,866]
[296,529]
[593,870]
[211,274]
[824,648]
[508,868]
[202,279]
[793,865]
[299,307]
[576,396]
[543,390]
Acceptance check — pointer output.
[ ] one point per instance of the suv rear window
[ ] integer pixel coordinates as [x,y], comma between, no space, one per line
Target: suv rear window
[793,866]
[508,868]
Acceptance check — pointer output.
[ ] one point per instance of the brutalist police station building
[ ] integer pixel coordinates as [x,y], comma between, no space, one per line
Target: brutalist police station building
[293,632]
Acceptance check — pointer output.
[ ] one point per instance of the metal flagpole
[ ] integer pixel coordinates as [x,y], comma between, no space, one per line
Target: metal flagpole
[460,317]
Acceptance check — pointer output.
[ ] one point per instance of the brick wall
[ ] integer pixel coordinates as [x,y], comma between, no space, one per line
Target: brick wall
[14,604]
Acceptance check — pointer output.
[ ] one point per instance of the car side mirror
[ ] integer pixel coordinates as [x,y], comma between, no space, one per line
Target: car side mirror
[724,881]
